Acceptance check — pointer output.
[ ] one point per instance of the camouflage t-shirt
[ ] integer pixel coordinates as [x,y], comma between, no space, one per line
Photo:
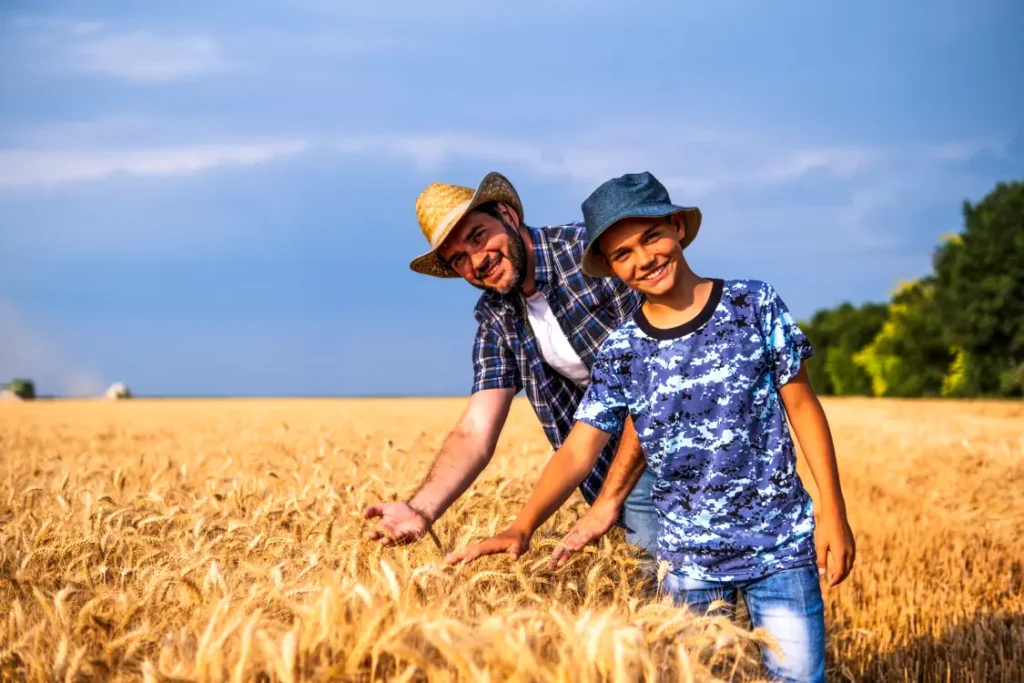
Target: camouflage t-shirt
[704,399]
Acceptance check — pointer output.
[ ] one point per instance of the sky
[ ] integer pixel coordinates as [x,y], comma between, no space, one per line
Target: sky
[218,198]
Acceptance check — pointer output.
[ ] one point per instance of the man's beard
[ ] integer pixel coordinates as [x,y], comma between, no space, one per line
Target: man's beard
[516,257]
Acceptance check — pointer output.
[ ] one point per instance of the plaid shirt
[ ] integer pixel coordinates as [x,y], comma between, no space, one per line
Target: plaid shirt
[506,354]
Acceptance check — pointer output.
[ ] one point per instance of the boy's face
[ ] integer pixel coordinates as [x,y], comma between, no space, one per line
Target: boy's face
[645,253]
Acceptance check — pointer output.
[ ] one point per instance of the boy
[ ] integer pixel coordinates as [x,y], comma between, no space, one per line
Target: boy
[709,370]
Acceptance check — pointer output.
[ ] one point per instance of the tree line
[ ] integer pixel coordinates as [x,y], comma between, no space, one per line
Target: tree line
[957,332]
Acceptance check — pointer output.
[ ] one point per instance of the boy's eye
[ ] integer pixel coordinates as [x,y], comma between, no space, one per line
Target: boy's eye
[619,256]
[651,236]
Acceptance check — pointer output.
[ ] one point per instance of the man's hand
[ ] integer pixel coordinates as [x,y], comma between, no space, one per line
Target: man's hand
[402,522]
[834,536]
[511,541]
[593,525]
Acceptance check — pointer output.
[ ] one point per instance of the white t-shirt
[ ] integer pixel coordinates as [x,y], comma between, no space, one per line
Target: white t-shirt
[554,346]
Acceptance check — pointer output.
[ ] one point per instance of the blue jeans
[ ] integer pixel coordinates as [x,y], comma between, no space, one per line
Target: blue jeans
[641,517]
[787,604]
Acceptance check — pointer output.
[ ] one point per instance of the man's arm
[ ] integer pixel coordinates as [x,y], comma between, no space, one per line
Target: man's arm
[463,456]
[567,468]
[812,431]
[625,471]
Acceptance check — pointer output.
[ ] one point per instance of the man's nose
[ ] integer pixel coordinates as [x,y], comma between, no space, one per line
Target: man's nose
[477,259]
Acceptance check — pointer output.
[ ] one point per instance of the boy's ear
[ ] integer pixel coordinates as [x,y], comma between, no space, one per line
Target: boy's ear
[679,223]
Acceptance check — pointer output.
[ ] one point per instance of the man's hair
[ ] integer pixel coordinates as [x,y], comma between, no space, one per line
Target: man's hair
[491,209]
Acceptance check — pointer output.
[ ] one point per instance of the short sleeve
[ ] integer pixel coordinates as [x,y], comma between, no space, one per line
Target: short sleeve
[604,404]
[786,344]
[494,364]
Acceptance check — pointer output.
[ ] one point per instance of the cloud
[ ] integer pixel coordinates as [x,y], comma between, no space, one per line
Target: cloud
[697,163]
[42,167]
[26,353]
[823,196]
[145,57]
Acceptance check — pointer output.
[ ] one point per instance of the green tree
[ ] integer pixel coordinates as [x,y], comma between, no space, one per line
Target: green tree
[24,388]
[837,334]
[979,276]
[909,356]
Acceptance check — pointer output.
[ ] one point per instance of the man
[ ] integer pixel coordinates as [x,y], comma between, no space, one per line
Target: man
[541,322]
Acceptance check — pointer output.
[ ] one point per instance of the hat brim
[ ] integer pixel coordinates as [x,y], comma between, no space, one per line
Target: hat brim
[493,188]
[595,265]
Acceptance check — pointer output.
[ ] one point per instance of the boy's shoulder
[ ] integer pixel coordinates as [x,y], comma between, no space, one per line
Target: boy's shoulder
[755,295]
[740,286]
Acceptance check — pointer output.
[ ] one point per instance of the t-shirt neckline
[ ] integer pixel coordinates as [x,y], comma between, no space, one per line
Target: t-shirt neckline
[692,325]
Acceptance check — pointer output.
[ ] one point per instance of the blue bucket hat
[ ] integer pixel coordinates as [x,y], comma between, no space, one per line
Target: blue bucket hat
[634,195]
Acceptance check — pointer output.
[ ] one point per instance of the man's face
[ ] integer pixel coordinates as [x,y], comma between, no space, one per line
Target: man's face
[488,252]
[645,253]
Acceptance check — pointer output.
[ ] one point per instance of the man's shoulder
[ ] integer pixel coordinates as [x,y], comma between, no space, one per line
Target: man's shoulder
[490,307]
[564,236]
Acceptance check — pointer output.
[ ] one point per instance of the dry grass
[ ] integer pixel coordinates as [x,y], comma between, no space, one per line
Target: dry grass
[220,540]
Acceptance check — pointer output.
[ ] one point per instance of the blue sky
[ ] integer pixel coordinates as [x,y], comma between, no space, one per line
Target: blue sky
[218,198]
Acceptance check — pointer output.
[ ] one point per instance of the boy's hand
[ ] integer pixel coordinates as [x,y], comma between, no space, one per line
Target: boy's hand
[401,521]
[834,536]
[590,527]
[510,541]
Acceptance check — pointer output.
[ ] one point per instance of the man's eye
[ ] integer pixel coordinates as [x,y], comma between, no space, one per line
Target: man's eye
[456,261]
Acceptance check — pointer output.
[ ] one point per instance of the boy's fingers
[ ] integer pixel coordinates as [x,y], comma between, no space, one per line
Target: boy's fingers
[457,556]
[822,557]
[844,562]
[372,511]
[848,558]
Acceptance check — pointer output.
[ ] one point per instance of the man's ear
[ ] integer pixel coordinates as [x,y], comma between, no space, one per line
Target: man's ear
[509,214]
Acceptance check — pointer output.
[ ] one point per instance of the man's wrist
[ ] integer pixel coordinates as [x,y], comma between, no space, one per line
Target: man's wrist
[428,512]
[607,505]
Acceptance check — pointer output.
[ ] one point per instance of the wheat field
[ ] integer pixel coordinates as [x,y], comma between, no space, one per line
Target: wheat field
[220,540]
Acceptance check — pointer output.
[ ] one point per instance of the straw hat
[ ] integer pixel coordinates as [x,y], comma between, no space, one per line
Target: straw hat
[440,207]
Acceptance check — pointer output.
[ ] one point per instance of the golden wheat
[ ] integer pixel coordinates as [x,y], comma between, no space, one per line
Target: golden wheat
[222,541]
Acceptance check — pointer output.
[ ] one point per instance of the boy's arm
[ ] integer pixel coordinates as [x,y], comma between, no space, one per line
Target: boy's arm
[567,468]
[623,474]
[811,427]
